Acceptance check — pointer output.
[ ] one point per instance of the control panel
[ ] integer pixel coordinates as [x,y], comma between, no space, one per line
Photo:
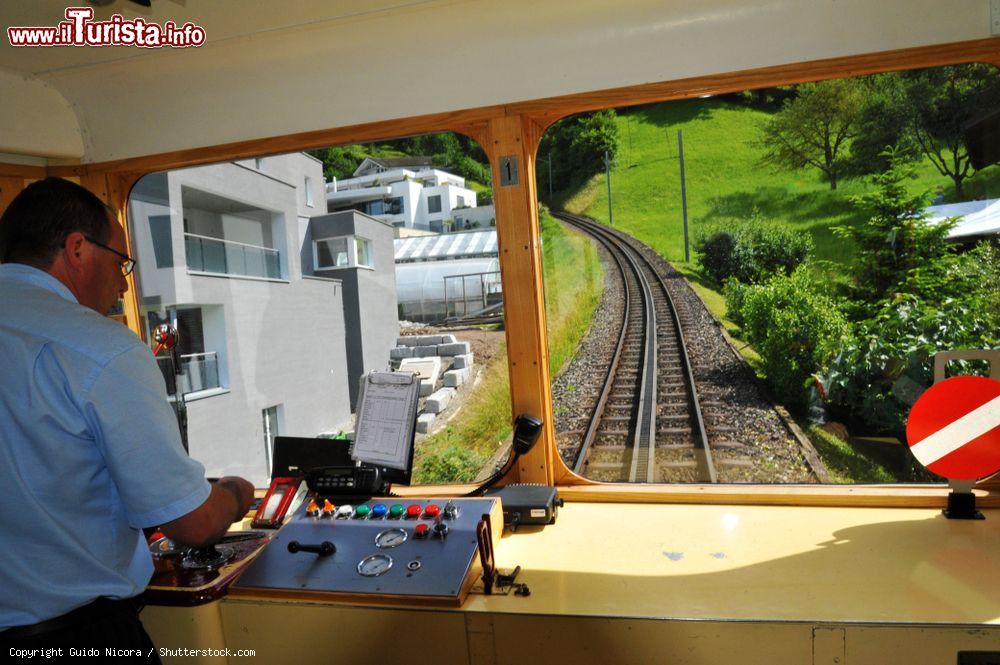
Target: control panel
[380,550]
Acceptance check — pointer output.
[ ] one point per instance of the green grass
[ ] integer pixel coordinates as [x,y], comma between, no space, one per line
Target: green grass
[847,464]
[574,280]
[725,180]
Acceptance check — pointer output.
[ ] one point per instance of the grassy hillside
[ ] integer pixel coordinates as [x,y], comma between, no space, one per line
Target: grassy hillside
[725,180]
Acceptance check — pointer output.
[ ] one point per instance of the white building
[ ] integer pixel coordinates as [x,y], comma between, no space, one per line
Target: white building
[227,254]
[405,192]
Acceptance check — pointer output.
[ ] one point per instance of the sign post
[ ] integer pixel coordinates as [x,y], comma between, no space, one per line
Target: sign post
[954,431]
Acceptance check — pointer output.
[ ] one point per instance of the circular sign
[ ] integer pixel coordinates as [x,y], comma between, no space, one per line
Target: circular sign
[954,428]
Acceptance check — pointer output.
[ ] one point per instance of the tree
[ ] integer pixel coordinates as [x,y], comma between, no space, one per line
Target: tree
[577,144]
[942,101]
[899,250]
[815,128]
[883,123]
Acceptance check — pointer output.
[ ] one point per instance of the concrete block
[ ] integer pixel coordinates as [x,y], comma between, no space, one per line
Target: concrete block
[400,352]
[453,378]
[428,369]
[456,349]
[462,361]
[447,339]
[425,351]
[424,422]
[439,400]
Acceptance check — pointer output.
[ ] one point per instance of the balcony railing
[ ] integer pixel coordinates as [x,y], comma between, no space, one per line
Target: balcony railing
[199,371]
[228,257]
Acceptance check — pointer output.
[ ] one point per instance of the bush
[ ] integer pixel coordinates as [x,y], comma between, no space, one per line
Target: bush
[795,328]
[454,464]
[889,362]
[752,252]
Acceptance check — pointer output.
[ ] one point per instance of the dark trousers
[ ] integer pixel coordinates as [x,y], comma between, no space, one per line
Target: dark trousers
[89,630]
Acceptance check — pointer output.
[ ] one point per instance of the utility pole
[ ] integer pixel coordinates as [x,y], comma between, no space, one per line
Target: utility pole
[684,201]
[607,171]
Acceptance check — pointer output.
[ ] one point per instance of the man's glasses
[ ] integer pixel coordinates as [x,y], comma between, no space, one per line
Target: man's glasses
[127,264]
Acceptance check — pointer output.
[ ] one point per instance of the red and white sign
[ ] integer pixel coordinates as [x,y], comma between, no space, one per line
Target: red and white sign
[954,428]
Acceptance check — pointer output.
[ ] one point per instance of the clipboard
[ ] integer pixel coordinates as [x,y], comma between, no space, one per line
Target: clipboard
[387,423]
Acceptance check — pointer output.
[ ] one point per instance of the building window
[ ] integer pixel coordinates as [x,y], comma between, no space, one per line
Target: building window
[363,247]
[434,204]
[332,253]
[309,192]
[272,429]
[461,201]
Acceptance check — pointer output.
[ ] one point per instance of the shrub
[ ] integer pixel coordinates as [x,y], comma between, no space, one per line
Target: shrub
[752,251]
[796,329]
[889,362]
[453,464]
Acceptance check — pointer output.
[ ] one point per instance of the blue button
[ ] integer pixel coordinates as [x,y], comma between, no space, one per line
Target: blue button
[379,510]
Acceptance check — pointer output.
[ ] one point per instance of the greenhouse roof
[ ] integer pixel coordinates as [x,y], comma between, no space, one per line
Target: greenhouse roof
[447,246]
[976,218]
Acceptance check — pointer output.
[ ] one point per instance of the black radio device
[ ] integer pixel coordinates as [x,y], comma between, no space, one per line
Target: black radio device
[346,479]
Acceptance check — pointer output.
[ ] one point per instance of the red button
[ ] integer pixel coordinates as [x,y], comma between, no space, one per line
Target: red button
[413,511]
[420,530]
[432,510]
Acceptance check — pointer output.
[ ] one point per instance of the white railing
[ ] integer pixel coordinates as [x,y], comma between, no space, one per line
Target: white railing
[228,257]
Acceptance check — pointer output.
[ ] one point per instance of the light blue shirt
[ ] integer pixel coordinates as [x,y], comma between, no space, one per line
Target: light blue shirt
[90,453]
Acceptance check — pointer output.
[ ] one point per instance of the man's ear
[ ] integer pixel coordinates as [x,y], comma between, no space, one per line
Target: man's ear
[75,250]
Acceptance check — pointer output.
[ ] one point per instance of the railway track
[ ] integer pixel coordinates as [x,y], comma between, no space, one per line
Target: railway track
[647,420]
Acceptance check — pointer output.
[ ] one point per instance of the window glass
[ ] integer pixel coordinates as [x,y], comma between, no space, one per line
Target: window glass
[281,308]
[434,203]
[820,243]
[332,253]
[364,255]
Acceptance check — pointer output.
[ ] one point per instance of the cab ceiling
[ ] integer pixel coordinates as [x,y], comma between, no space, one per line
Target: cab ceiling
[275,68]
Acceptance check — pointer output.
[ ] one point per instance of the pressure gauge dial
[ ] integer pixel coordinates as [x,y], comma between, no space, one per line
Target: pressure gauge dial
[390,538]
[375,565]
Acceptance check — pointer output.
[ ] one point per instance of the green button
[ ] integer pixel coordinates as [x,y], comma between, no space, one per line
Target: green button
[396,510]
[362,511]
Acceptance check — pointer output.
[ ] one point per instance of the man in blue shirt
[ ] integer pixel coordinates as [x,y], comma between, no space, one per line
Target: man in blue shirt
[90,452]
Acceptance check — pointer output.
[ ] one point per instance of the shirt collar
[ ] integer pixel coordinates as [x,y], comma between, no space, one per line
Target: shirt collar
[20,272]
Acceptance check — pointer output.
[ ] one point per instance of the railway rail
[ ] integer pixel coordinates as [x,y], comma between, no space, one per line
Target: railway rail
[649,402]
[673,404]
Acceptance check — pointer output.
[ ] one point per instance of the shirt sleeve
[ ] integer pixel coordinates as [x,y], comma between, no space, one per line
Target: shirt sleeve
[136,431]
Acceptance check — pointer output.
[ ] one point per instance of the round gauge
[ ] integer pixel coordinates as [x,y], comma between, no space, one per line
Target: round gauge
[390,538]
[375,565]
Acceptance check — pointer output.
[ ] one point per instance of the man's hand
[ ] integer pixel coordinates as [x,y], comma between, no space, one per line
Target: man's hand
[242,492]
[205,525]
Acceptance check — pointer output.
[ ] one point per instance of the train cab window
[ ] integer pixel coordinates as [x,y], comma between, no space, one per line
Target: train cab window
[281,302]
[752,287]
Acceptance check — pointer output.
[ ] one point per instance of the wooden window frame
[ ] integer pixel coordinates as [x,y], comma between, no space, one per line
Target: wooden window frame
[516,129]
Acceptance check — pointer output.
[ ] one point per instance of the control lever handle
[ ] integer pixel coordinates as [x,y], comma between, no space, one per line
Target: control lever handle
[484,538]
[326,548]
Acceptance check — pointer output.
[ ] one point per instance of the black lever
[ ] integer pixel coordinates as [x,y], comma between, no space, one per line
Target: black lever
[326,548]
